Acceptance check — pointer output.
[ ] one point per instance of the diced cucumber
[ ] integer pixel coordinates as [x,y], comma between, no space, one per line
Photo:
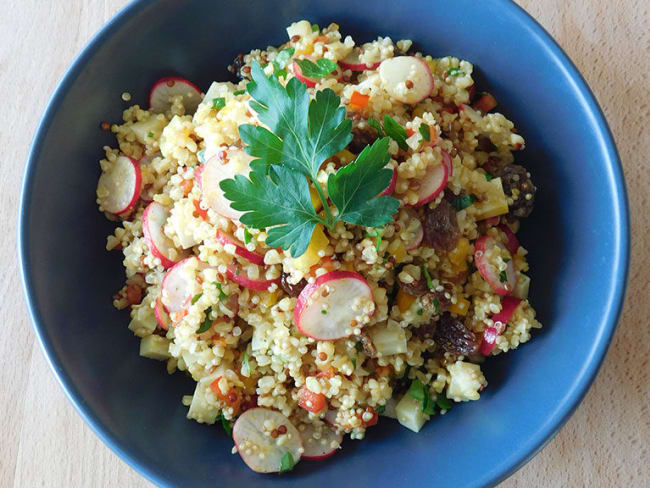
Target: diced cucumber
[522,287]
[143,322]
[155,347]
[389,339]
[203,408]
[389,409]
[149,130]
[409,413]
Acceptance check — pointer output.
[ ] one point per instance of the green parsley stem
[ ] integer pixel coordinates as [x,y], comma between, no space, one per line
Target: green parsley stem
[329,219]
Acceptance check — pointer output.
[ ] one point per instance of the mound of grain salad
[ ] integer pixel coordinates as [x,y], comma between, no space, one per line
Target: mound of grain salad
[327,240]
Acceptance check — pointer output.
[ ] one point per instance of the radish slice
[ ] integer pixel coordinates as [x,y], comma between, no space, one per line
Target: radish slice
[433,182]
[490,334]
[327,308]
[391,186]
[311,82]
[161,316]
[224,238]
[163,90]
[512,243]
[257,448]
[417,234]
[446,160]
[225,165]
[177,287]
[237,276]
[198,171]
[153,220]
[486,251]
[118,188]
[353,63]
[406,78]
[330,417]
[323,445]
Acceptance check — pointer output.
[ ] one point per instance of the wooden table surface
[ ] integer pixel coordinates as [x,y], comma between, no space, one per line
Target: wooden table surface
[44,442]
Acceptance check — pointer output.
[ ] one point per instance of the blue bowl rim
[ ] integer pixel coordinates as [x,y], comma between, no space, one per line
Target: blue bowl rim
[549,428]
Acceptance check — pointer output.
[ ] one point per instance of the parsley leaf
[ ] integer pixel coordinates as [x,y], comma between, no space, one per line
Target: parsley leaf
[225,423]
[315,28]
[395,132]
[427,276]
[420,392]
[353,188]
[247,236]
[281,60]
[503,277]
[218,103]
[287,463]
[443,402]
[222,295]
[488,176]
[463,202]
[207,323]
[372,122]
[381,409]
[239,92]
[425,132]
[321,68]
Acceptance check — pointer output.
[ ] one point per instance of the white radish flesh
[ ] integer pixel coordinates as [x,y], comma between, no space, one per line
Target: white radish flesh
[257,447]
[178,286]
[323,444]
[330,307]
[225,165]
[353,63]
[238,276]
[153,220]
[226,239]
[406,78]
[163,90]
[432,183]
[118,188]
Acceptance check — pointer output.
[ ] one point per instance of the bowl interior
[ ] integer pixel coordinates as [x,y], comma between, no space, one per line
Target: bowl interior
[576,237]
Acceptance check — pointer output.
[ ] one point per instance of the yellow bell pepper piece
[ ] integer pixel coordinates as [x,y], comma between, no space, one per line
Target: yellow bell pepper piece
[318,242]
[404,300]
[315,199]
[460,307]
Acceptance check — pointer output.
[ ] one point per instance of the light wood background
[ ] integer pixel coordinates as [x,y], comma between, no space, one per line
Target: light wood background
[43,442]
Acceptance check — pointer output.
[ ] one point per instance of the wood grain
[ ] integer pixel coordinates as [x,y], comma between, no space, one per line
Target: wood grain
[43,442]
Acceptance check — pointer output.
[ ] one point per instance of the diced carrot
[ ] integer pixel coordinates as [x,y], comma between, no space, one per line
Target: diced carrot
[485,103]
[409,132]
[373,420]
[133,294]
[358,100]
[382,370]
[328,373]
[310,401]
[231,397]
[199,212]
[460,307]
[187,185]
[320,39]
[325,262]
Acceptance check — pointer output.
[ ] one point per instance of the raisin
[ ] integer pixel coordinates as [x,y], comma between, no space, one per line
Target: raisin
[453,336]
[440,227]
[436,301]
[291,289]
[485,144]
[515,177]
[424,331]
[416,288]
[361,137]
[236,68]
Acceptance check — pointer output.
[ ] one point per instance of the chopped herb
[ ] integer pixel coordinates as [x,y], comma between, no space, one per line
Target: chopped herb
[237,271]
[436,305]
[420,311]
[443,402]
[218,103]
[395,132]
[463,202]
[283,57]
[455,72]
[420,392]
[381,409]
[287,463]
[375,233]
[149,134]
[247,236]
[321,68]
[488,176]
[201,156]
[301,135]
[225,423]
[503,277]
[358,346]
[506,260]
[470,267]
[222,295]
[425,132]
[354,363]
[372,122]
[427,276]
[207,323]
[324,312]
[246,362]
[196,297]
[239,92]
[315,28]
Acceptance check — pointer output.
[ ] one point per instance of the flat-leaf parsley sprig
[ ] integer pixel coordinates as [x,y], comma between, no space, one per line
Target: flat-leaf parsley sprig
[301,135]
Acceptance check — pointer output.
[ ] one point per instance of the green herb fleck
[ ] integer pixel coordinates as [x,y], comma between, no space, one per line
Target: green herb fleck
[149,134]
[321,68]
[225,423]
[420,311]
[201,156]
[222,295]
[247,236]
[381,409]
[463,202]
[281,60]
[315,28]
[207,323]
[375,233]
[436,306]
[358,346]
[420,392]
[196,297]
[506,260]
[443,402]
[470,267]
[239,92]
[395,132]
[218,103]
[354,363]
[372,122]
[427,276]
[503,277]
[425,132]
[287,463]
[324,312]
[455,72]
[488,176]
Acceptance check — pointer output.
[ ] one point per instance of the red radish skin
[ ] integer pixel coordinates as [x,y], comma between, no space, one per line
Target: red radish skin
[242,280]
[344,287]
[170,86]
[353,63]
[433,183]
[311,82]
[225,238]
[482,246]
[123,182]
[406,78]
[177,287]
[508,307]
[512,243]
[321,448]
[391,186]
[197,175]
[250,430]
[163,319]
[446,160]
[153,220]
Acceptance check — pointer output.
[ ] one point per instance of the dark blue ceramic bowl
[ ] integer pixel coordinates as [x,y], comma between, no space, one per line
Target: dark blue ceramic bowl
[578,238]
